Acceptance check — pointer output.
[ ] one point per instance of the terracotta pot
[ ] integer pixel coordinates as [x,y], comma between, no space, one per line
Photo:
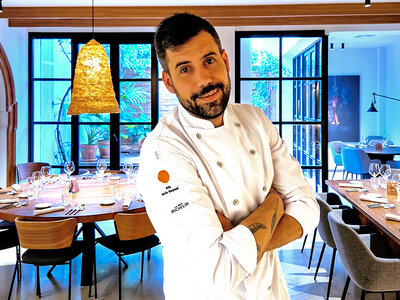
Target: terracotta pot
[104,148]
[88,152]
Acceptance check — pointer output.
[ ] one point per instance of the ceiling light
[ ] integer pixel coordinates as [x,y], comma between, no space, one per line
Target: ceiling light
[373,103]
[367,3]
[93,91]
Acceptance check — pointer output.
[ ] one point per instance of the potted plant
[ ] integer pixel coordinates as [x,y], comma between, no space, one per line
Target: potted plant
[104,143]
[89,150]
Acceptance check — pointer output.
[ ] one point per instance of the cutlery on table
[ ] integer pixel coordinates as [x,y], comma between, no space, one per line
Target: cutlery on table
[79,208]
[71,210]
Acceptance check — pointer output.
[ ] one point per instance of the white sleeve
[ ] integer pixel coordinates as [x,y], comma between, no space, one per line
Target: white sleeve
[179,206]
[289,181]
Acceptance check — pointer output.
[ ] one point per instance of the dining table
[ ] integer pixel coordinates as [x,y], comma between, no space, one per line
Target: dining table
[99,205]
[384,154]
[376,215]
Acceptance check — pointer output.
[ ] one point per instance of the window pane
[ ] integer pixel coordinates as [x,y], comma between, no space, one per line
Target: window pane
[304,143]
[135,103]
[94,142]
[301,100]
[132,138]
[94,118]
[314,178]
[135,61]
[51,100]
[105,46]
[263,94]
[301,57]
[259,57]
[51,58]
[52,143]
[166,100]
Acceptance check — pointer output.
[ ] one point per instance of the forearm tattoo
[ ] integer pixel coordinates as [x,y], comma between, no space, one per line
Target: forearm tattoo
[256,226]
[273,220]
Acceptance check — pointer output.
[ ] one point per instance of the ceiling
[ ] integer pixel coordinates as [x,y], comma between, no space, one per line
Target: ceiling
[15,3]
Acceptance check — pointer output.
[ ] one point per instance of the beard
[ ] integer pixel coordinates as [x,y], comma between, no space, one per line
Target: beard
[209,110]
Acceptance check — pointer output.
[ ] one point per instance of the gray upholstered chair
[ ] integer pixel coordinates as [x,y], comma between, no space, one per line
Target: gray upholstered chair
[349,216]
[368,259]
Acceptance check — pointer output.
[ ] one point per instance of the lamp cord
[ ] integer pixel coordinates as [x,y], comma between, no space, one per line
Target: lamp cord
[93,19]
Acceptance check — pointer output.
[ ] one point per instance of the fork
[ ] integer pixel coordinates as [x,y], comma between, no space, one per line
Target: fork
[71,210]
[78,208]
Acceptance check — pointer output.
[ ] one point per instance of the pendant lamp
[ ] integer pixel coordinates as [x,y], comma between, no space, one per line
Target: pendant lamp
[93,91]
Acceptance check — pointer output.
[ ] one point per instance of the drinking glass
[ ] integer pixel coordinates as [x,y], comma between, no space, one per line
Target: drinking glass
[128,169]
[374,171]
[37,183]
[101,166]
[113,181]
[396,181]
[69,168]
[134,173]
[46,174]
[385,171]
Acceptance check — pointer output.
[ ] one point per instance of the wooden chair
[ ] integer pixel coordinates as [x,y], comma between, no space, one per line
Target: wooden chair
[49,243]
[26,169]
[134,233]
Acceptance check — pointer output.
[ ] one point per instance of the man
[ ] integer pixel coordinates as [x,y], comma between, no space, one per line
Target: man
[206,176]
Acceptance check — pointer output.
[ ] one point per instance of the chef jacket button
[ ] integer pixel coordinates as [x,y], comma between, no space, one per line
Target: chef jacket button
[265,188]
[219,164]
[198,135]
[270,287]
[252,151]
[235,202]
[237,124]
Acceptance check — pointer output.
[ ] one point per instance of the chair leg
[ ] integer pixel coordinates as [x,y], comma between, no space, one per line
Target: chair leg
[304,243]
[141,269]
[13,279]
[383,296]
[119,277]
[319,261]
[101,232]
[50,270]
[363,293]
[94,275]
[69,281]
[331,273]
[312,247]
[347,174]
[334,171]
[19,269]
[148,254]
[346,286]
[38,283]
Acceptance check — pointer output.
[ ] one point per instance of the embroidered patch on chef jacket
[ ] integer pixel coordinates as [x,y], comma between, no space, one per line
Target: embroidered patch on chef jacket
[163,176]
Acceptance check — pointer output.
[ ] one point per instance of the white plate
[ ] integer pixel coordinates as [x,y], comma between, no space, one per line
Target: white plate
[23,195]
[107,202]
[43,205]
[374,195]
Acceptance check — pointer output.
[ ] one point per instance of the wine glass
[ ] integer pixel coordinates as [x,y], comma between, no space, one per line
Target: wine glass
[46,174]
[101,166]
[385,171]
[374,171]
[128,169]
[134,173]
[37,183]
[69,168]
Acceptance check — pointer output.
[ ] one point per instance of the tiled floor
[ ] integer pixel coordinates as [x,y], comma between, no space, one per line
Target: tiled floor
[300,280]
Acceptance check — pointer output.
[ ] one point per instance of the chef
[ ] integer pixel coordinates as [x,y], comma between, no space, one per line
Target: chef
[208,174]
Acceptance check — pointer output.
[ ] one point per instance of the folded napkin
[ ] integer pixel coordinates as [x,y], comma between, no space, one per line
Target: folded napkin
[7,201]
[47,210]
[349,184]
[127,202]
[373,199]
[17,187]
[392,217]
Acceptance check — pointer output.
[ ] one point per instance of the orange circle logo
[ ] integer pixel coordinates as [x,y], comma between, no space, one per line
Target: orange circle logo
[163,176]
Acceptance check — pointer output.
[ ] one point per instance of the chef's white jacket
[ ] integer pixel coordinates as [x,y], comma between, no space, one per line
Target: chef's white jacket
[189,169]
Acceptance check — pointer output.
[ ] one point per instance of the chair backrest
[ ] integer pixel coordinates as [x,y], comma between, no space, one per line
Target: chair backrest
[330,198]
[336,150]
[26,169]
[46,234]
[356,257]
[133,226]
[323,226]
[355,161]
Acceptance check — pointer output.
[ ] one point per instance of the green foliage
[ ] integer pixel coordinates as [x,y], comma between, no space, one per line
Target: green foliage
[135,60]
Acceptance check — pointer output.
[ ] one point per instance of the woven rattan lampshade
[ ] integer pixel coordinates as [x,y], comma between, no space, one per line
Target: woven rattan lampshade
[93,91]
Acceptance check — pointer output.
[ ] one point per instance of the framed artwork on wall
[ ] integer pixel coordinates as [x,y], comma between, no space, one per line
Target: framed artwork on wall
[344,108]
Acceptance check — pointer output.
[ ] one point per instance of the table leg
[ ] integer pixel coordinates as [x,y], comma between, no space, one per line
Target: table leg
[88,254]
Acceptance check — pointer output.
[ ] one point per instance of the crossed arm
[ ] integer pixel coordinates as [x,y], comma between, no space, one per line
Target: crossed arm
[270,226]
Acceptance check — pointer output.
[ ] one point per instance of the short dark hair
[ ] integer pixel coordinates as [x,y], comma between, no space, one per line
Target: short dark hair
[176,30]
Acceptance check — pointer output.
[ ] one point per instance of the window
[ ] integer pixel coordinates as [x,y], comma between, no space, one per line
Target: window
[55,137]
[281,73]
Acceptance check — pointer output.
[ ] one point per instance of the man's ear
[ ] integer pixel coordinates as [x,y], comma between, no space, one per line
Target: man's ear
[167,82]
[226,60]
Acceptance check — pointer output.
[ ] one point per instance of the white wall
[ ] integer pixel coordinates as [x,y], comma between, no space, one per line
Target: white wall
[15,44]
[369,64]
[392,90]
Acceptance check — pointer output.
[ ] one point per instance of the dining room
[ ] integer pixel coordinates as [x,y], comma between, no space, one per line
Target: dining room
[316,69]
